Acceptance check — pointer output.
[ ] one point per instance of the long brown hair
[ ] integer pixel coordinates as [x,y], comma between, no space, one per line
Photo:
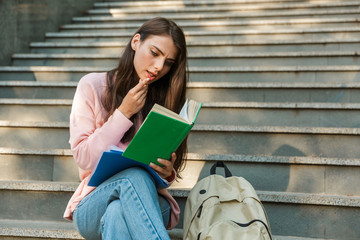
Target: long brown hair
[169,91]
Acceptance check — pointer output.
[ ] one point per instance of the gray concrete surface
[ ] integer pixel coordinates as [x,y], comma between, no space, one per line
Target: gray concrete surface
[23,21]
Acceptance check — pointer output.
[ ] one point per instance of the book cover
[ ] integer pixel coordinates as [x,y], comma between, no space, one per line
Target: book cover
[113,161]
[162,132]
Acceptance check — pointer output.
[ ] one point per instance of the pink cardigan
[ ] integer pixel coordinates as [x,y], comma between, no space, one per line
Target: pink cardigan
[90,136]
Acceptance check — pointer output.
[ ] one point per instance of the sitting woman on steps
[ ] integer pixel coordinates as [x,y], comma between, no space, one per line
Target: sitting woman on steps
[107,110]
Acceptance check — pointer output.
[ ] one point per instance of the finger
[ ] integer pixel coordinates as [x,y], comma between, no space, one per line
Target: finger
[142,93]
[145,81]
[138,87]
[166,163]
[141,97]
[173,157]
[161,171]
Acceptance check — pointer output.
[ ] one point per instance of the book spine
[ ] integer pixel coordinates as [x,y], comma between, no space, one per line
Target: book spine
[181,137]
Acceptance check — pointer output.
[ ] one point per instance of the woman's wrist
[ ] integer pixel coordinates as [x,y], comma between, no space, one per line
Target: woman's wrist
[127,114]
[172,177]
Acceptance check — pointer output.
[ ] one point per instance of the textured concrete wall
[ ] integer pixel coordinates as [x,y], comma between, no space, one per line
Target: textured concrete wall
[25,21]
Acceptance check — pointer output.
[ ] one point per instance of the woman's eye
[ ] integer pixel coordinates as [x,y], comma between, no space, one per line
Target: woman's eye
[169,63]
[154,53]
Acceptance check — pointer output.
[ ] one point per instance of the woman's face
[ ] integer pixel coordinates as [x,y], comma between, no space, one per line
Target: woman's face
[154,56]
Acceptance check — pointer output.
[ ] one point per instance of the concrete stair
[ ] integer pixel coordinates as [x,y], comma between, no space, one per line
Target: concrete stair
[203,47]
[238,35]
[280,84]
[342,74]
[206,60]
[104,26]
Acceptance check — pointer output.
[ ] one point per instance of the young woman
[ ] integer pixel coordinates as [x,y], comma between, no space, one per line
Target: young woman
[107,110]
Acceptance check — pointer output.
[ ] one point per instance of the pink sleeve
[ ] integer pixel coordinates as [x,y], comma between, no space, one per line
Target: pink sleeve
[87,139]
[175,209]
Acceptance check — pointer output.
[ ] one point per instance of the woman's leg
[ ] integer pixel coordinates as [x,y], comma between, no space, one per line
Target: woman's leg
[165,209]
[140,203]
[133,194]
[112,219]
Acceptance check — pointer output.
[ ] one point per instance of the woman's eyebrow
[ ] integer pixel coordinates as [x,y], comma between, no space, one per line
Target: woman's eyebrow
[171,59]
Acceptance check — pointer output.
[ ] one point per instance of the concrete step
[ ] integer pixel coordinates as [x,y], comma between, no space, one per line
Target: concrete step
[339,74]
[275,92]
[237,35]
[272,140]
[267,173]
[207,92]
[215,47]
[281,114]
[205,3]
[37,90]
[191,17]
[38,165]
[220,25]
[230,8]
[227,1]
[210,139]
[282,173]
[35,110]
[200,60]
[38,230]
[319,211]
[25,229]
[227,113]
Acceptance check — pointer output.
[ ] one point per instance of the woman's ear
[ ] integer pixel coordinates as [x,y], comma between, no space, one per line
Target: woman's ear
[135,41]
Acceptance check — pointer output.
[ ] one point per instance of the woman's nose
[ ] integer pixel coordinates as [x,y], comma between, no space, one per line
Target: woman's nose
[159,64]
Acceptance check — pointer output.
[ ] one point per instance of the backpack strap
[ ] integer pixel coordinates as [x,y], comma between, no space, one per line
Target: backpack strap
[220,164]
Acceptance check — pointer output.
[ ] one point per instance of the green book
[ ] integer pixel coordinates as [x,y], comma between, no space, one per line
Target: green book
[162,132]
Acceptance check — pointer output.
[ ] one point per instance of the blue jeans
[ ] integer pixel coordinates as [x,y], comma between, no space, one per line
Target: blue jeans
[126,206]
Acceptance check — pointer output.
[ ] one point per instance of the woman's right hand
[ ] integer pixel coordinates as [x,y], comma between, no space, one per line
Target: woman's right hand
[135,99]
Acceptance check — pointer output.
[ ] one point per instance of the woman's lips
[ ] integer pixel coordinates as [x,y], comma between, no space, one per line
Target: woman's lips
[151,75]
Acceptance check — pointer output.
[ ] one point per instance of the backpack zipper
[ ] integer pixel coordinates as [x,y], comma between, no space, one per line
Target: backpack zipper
[255,220]
[200,210]
[240,224]
[198,215]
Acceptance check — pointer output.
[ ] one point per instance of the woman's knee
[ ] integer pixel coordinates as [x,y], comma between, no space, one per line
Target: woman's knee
[134,175]
[138,175]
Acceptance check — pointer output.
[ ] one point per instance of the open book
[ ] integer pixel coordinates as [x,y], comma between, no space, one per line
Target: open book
[112,162]
[162,132]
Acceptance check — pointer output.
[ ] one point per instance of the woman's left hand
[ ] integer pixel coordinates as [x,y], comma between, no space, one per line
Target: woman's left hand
[168,165]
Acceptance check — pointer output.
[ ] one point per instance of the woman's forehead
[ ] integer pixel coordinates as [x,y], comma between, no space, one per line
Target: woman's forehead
[163,43]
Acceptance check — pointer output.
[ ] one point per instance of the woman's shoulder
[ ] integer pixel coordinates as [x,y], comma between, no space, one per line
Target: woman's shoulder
[93,82]
[93,79]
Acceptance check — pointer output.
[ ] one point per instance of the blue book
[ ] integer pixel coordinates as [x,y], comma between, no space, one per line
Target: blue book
[113,162]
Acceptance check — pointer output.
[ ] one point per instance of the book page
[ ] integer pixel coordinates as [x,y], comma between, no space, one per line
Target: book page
[193,110]
[187,114]
[115,148]
[184,111]
[166,112]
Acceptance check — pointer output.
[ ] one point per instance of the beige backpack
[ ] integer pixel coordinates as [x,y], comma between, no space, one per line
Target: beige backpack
[228,208]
